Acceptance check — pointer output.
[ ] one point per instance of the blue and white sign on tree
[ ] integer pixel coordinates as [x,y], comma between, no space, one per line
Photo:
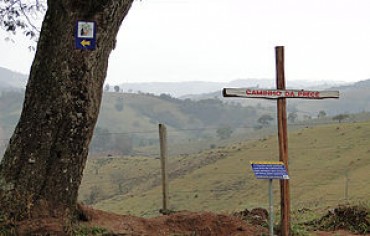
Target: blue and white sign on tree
[85,35]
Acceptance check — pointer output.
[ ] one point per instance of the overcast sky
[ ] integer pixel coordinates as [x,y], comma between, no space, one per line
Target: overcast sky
[224,40]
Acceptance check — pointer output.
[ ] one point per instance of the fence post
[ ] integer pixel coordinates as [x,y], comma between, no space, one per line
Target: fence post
[163,149]
[346,186]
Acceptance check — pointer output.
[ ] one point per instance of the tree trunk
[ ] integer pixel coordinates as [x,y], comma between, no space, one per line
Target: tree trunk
[42,167]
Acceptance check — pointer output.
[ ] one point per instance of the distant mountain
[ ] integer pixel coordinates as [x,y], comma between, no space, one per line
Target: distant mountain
[186,89]
[353,98]
[359,84]
[12,80]
[175,89]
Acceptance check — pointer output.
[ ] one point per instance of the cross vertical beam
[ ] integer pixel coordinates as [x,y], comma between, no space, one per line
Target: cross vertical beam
[281,94]
[283,141]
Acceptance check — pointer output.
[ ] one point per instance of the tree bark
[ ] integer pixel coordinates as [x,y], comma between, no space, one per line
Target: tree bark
[42,167]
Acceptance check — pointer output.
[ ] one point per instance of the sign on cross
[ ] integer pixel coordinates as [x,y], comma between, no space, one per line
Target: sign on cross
[277,93]
[280,93]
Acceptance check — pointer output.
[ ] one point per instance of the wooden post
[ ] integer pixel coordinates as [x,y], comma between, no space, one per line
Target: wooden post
[163,149]
[346,187]
[281,94]
[283,142]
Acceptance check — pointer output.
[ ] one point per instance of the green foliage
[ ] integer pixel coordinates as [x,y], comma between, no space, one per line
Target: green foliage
[299,230]
[94,196]
[106,88]
[167,97]
[353,218]
[341,117]
[321,114]
[119,104]
[89,231]
[102,140]
[215,112]
[118,179]
[123,144]
[292,116]
[116,88]
[224,132]
[265,119]
[15,16]
[105,142]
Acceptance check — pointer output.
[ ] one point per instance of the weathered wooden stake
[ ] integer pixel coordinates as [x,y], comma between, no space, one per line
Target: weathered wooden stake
[163,147]
[283,141]
[280,94]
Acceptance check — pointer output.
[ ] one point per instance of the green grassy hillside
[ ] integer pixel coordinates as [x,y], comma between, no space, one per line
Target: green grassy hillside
[128,122]
[133,119]
[328,164]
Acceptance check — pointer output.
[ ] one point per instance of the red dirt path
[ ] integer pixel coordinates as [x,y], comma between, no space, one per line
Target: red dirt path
[184,223]
[181,223]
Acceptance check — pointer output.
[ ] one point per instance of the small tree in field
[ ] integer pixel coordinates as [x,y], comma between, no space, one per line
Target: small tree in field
[321,114]
[116,88]
[292,117]
[341,117]
[106,88]
[264,120]
[224,132]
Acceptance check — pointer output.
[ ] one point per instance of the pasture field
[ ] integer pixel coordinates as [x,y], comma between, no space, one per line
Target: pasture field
[329,164]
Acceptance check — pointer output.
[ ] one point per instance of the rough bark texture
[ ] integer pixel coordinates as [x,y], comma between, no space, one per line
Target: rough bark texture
[42,167]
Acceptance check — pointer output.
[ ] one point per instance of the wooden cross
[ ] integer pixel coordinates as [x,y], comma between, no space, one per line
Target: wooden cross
[280,94]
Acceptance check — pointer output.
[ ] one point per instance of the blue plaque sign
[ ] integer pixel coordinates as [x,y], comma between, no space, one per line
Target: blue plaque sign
[269,170]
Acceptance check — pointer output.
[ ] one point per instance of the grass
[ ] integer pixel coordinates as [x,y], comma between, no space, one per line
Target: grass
[328,165]
[89,231]
[354,218]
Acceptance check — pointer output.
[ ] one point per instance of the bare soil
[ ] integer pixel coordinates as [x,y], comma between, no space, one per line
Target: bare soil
[180,223]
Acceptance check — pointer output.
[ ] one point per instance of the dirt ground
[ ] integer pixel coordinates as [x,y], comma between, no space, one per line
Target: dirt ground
[180,223]
[335,233]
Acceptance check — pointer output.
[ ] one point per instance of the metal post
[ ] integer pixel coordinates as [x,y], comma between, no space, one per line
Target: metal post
[271,207]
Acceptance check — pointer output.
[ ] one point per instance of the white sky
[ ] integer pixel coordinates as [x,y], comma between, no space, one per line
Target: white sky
[224,40]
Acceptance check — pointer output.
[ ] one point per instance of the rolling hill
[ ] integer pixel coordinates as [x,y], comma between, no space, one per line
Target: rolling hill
[128,122]
[354,98]
[328,160]
[329,164]
[191,88]
[11,80]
